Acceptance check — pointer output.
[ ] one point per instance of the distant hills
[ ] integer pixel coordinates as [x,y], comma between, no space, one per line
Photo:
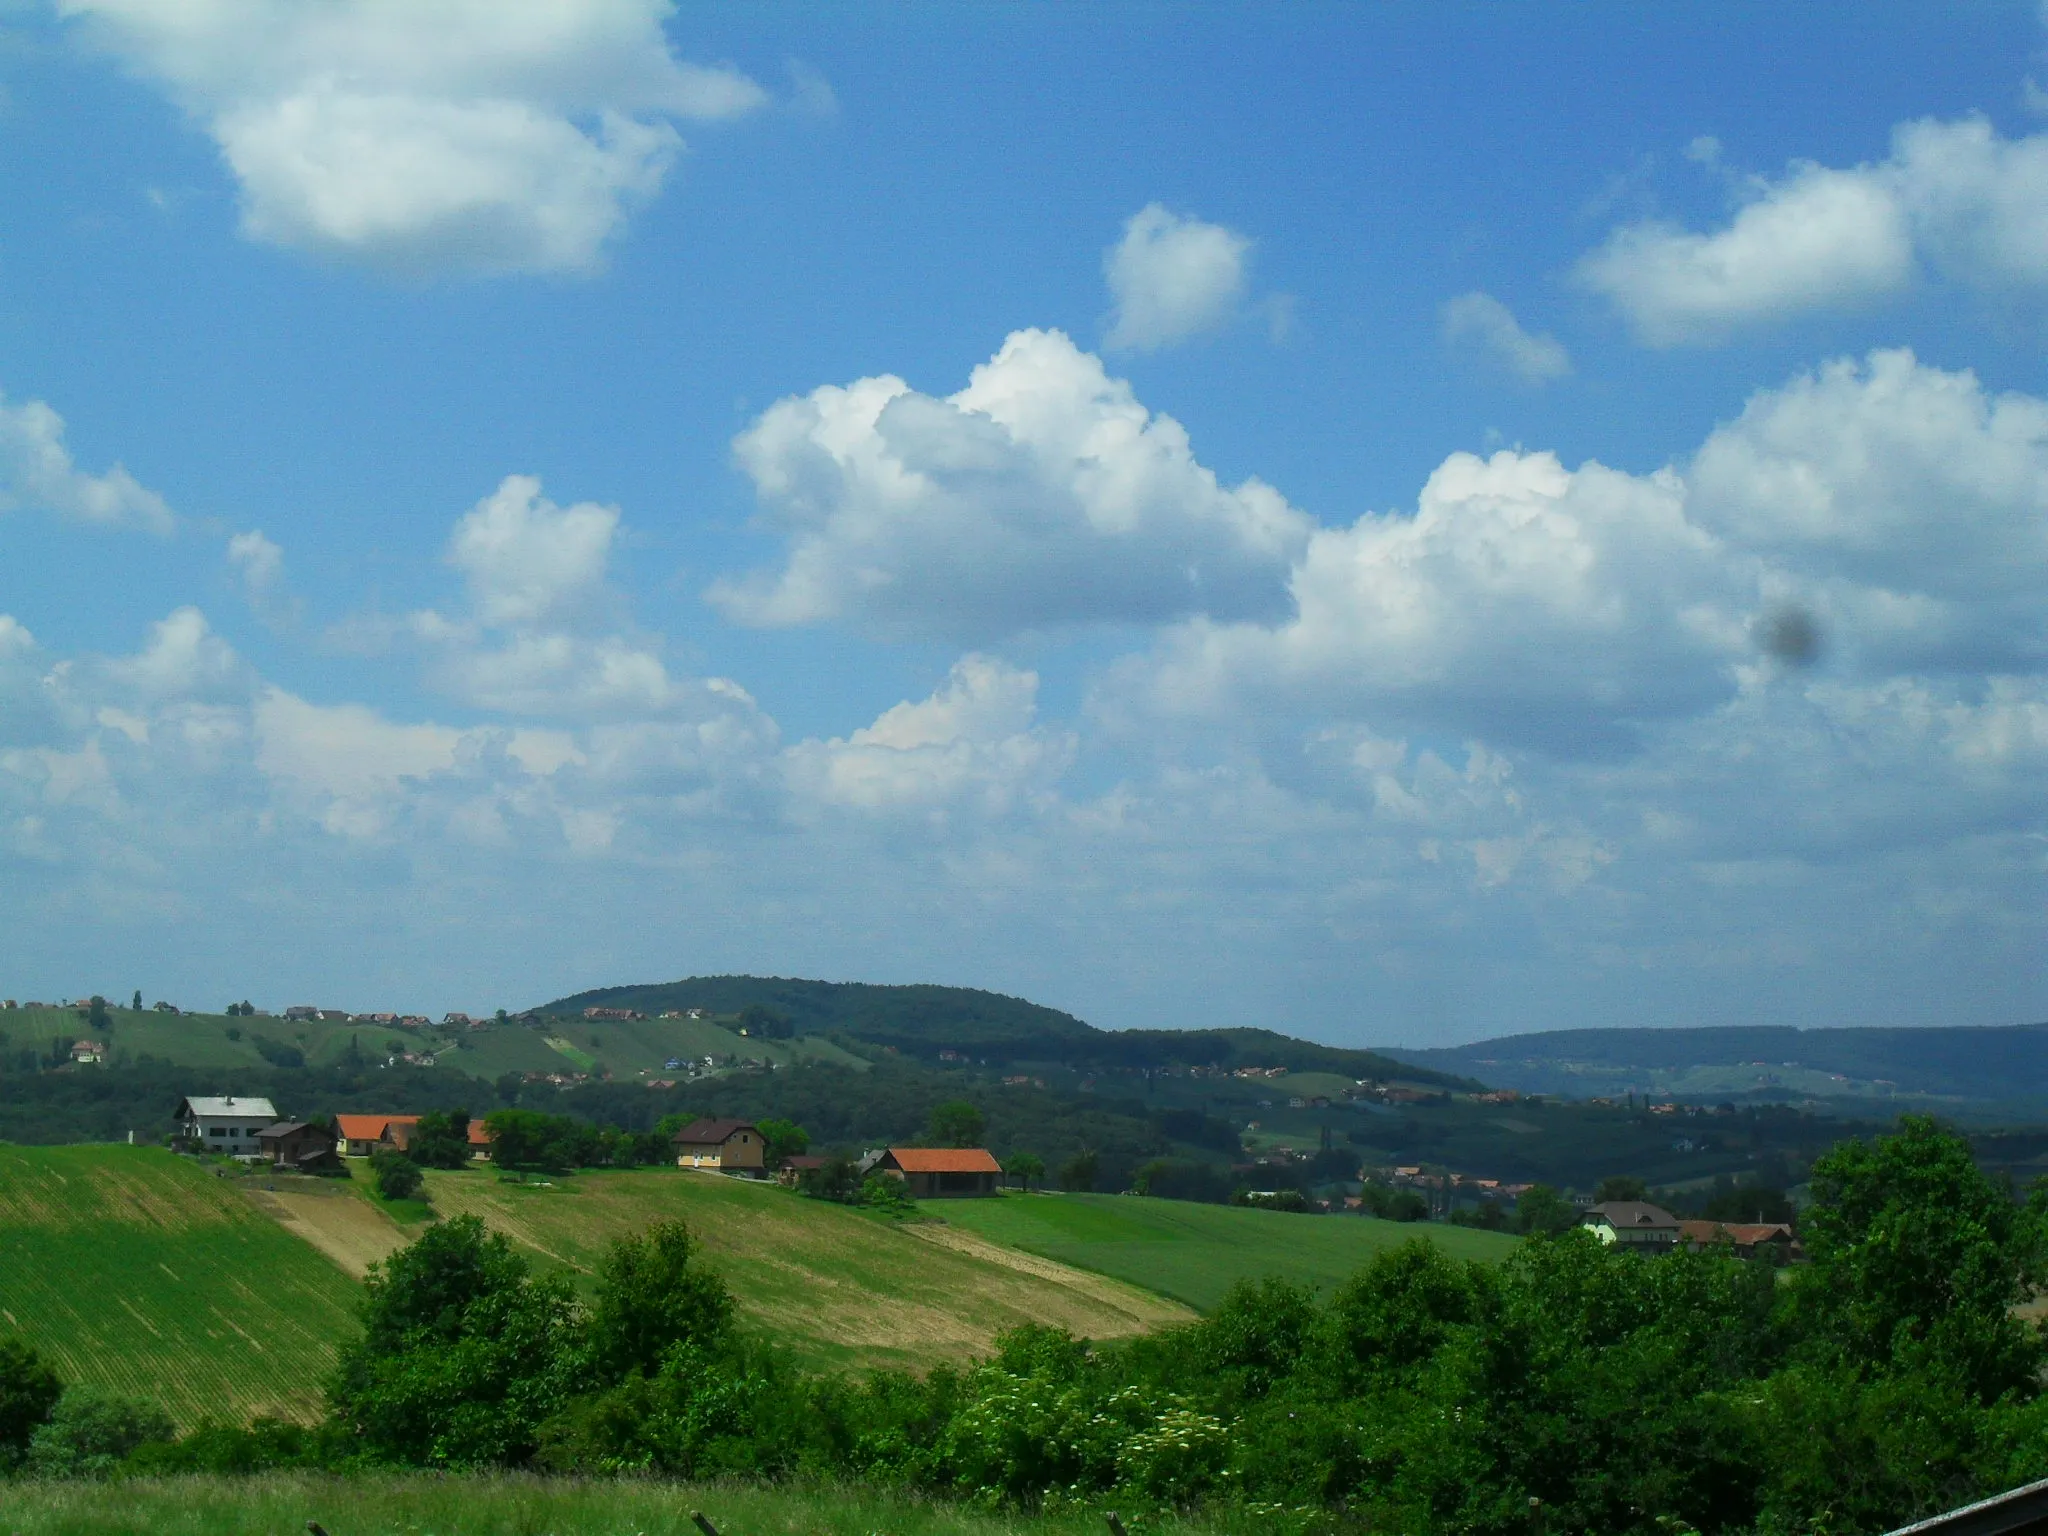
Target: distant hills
[1963,1068]
[922,1021]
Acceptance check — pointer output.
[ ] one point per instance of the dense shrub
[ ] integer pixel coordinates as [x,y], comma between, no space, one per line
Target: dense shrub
[29,1390]
[397,1176]
[91,1433]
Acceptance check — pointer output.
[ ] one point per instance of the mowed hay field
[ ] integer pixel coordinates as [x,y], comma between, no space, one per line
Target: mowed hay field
[1195,1253]
[138,1271]
[838,1286]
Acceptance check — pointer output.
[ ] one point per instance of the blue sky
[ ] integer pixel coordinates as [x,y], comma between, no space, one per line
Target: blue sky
[1397,524]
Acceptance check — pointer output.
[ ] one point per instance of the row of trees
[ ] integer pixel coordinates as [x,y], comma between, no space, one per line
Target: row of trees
[1571,1388]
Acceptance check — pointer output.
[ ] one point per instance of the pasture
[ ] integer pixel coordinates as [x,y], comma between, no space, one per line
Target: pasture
[138,1271]
[1195,1253]
[838,1286]
[513,1505]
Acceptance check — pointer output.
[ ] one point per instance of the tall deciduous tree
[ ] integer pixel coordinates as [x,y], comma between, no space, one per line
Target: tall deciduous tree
[1918,1260]
[956,1124]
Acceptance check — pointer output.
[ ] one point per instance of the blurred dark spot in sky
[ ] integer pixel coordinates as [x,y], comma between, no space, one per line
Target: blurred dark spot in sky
[1790,635]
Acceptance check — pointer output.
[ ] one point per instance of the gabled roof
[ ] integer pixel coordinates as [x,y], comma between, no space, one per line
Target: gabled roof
[286,1128]
[229,1107]
[369,1127]
[1742,1233]
[1635,1215]
[943,1160]
[713,1133]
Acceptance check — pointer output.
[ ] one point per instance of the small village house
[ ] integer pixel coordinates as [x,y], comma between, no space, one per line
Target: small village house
[726,1146]
[363,1134]
[1634,1225]
[943,1171]
[297,1146]
[88,1053]
[400,1129]
[224,1124]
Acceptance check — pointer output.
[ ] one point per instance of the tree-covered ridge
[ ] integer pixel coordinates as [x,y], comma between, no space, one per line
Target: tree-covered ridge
[925,1019]
[2003,1064]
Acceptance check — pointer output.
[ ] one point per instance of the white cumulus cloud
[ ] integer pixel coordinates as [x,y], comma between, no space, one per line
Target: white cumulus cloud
[527,559]
[1172,277]
[36,470]
[440,136]
[1955,198]
[1482,321]
[1043,494]
[974,739]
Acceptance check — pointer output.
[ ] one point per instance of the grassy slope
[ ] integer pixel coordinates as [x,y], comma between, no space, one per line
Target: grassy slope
[838,1286]
[509,1506]
[1197,1252]
[137,1271]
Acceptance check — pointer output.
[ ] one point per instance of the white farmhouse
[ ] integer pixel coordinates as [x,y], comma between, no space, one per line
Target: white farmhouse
[225,1125]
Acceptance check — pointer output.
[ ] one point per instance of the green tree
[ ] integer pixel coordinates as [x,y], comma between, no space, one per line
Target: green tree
[1024,1167]
[1543,1209]
[1077,1173]
[463,1354]
[784,1138]
[838,1178]
[397,1176]
[956,1124]
[136,1006]
[764,1023]
[1918,1258]
[440,1139]
[29,1390]
[650,1299]
[1620,1186]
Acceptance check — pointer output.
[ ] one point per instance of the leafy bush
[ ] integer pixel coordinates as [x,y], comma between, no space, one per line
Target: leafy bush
[397,1176]
[91,1433]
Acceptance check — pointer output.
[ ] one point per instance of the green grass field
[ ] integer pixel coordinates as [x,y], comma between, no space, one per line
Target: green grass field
[838,1286]
[139,1272]
[1195,1253]
[511,1506]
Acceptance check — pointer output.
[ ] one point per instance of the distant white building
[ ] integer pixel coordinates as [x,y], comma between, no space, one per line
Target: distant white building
[226,1124]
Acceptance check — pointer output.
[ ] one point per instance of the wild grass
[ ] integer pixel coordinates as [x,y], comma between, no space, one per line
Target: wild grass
[509,1505]
[1195,1253]
[140,1272]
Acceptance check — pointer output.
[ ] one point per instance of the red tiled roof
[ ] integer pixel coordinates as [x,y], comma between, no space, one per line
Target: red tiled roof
[944,1160]
[369,1127]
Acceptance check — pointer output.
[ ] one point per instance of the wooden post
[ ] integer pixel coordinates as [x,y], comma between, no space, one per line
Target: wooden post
[1116,1526]
[703,1522]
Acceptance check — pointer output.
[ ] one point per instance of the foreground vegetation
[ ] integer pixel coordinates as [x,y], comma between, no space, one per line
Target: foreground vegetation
[510,1504]
[1571,1387]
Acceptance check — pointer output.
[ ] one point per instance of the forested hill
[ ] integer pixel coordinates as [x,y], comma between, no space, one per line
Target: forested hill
[921,1021]
[1998,1065]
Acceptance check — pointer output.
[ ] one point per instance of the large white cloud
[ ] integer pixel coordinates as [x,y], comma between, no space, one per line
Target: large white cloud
[1043,494]
[1914,499]
[1955,198]
[36,470]
[1172,277]
[445,135]
[1519,597]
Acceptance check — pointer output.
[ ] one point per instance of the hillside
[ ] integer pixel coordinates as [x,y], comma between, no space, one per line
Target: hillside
[922,1021]
[139,1272]
[1993,1069]
[1195,1253]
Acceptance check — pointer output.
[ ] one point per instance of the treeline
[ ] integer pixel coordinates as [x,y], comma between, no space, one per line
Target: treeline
[1572,1388]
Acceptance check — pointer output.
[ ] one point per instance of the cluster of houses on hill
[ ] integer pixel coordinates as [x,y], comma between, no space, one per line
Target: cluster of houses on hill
[1640,1227]
[250,1129]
